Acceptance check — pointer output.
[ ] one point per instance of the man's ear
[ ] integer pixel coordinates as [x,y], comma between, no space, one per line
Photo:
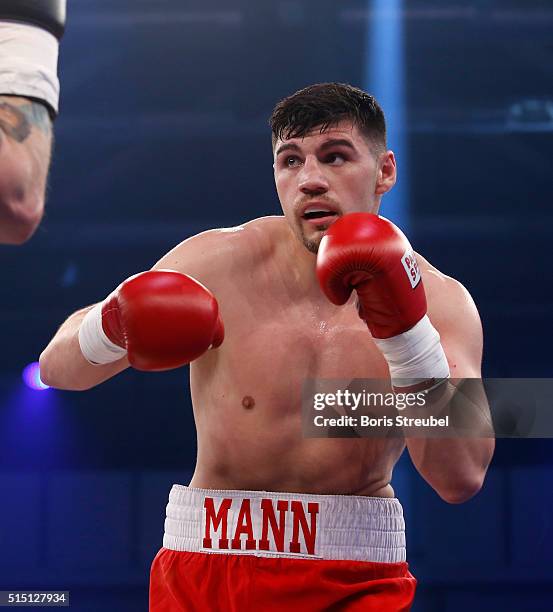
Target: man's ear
[386,175]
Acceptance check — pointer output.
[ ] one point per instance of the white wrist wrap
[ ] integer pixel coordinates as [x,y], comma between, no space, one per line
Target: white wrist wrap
[96,347]
[28,62]
[415,355]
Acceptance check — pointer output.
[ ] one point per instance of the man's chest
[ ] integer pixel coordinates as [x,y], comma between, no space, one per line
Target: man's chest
[301,337]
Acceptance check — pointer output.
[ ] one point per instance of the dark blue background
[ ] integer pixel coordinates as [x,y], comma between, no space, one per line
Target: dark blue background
[163,132]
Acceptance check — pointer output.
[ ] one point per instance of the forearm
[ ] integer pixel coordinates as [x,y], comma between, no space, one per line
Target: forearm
[25,149]
[62,364]
[455,467]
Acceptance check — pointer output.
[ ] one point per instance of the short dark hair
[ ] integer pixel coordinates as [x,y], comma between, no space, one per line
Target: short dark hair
[324,105]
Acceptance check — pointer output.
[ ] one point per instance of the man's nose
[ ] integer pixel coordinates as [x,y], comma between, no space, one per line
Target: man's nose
[312,180]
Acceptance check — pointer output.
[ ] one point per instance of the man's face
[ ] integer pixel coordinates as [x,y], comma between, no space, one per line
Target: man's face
[322,176]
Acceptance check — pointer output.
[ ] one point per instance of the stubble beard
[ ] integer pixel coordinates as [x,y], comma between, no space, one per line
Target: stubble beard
[311,245]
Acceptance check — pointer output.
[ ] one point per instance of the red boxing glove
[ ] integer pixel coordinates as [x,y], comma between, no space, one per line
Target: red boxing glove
[164,319]
[370,254]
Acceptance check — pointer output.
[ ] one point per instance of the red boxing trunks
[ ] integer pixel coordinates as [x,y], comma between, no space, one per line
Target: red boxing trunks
[244,551]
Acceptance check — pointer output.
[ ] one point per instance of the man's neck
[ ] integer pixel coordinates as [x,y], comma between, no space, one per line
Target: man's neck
[303,263]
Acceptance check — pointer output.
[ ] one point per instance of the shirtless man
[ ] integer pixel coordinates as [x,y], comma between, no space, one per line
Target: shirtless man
[29,92]
[272,519]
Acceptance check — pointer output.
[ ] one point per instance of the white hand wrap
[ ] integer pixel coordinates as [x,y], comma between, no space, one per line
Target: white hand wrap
[28,62]
[96,347]
[415,356]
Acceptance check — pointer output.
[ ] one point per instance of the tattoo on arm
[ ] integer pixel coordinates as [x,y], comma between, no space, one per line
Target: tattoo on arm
[17,121]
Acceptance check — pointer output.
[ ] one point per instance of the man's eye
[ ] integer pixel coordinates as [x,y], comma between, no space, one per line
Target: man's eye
[291,161]
[337,159]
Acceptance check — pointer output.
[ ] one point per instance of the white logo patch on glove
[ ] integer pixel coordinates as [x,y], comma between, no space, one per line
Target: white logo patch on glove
[411,267]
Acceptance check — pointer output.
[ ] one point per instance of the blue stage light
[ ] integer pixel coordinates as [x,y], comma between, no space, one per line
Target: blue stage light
[385,78]
[31,377]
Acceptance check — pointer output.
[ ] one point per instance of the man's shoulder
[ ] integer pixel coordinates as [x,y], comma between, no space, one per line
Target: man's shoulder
[269,228]
[438,284]
[449,302]
[215,253]
[255,238]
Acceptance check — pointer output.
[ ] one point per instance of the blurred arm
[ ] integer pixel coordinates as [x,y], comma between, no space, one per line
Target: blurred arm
[25,150]
[29,93]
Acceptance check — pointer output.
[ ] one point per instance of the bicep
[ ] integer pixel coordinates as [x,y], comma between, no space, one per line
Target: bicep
[454,314]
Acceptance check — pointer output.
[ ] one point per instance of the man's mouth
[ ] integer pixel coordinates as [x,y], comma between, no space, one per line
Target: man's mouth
[319,215]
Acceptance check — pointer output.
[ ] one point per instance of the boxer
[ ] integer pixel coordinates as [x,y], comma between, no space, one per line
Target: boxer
[271,519]
[29,94]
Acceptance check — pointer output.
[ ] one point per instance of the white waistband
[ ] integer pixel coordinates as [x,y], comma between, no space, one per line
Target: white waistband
[270,524]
